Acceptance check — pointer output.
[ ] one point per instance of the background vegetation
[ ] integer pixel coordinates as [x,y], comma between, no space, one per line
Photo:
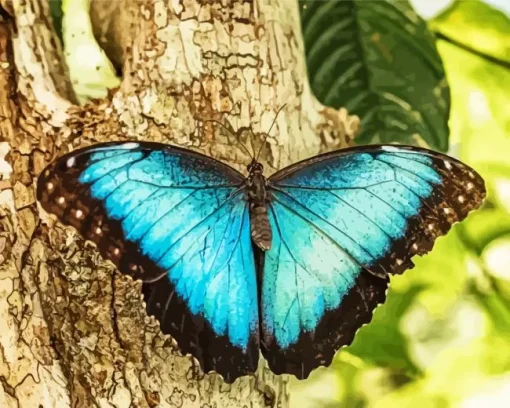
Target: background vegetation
[443,337]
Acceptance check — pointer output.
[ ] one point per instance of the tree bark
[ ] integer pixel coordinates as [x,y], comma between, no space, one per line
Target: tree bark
[73,331]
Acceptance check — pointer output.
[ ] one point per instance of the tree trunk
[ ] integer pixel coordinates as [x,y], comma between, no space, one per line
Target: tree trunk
[73,332]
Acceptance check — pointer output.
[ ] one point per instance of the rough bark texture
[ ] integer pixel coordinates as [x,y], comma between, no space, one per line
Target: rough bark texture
[73,332]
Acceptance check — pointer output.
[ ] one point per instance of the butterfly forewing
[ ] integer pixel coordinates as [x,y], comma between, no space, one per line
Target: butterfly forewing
[178,221]
[341,223]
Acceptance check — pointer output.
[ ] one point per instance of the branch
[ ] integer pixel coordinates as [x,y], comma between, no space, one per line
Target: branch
[494,60]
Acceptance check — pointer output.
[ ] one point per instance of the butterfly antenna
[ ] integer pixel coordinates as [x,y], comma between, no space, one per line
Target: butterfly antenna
[269,131]
[232,133]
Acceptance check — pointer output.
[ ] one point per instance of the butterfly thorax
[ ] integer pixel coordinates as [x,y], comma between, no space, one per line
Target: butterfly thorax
[257,197]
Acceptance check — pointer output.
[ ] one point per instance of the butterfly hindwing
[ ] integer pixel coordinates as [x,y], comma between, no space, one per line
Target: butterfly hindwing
[178,221]
[341,222]
[314,295]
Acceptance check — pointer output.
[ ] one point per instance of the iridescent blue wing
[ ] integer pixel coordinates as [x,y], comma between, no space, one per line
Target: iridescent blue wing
[178,221]
[341,222]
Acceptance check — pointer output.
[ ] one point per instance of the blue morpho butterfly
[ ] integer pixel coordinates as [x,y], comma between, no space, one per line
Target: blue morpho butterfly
[292,264]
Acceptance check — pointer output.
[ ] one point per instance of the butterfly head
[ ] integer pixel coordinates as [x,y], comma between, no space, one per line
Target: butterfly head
[255,167]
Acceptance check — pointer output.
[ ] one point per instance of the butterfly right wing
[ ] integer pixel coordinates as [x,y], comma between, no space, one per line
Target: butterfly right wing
[342,222]
[178,221]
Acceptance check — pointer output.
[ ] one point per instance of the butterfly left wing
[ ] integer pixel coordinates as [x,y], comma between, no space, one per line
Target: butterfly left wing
[177,220]
[341,223]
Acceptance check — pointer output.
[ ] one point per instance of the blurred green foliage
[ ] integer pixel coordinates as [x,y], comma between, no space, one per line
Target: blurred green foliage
[442,339]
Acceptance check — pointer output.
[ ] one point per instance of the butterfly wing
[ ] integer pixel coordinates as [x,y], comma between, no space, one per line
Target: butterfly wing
[341,222]
[178,221]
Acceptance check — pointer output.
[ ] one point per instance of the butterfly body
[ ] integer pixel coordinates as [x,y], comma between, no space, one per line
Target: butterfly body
[256,188]
[291,265]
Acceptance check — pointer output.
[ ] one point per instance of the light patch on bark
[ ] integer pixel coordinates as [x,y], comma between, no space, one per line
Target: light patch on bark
[38,60]
[73,330]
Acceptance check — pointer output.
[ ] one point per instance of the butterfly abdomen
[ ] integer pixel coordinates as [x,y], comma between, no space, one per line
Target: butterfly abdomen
[260,227]
[261,233]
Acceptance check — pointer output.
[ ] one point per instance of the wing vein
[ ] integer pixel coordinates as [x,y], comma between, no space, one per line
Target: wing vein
[291,254]
[138,205]
[222,238]
[195,226]
[120,153]
[164,215]
[235,245]
[395,168]
[362,214]
[354,260]
[148,183]
[278,186]
[388,204]
[114,170]
[393,165]
[319,229]
[188,249]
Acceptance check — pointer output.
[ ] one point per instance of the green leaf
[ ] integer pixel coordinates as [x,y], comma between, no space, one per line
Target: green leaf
[377,59]
[56,17]
[489,32]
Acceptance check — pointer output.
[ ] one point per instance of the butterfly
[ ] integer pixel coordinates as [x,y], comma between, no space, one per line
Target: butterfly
[291,265]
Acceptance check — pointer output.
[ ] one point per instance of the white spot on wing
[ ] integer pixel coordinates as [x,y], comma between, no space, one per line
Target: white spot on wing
[50,186]
[470,186]
[447,164]
[391,149]
[399,261]
[461,199]
[98,231]
[79,214]
[130,145]
[61,200]
[71,161]
[116,251]
[431,227]
[446,210]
